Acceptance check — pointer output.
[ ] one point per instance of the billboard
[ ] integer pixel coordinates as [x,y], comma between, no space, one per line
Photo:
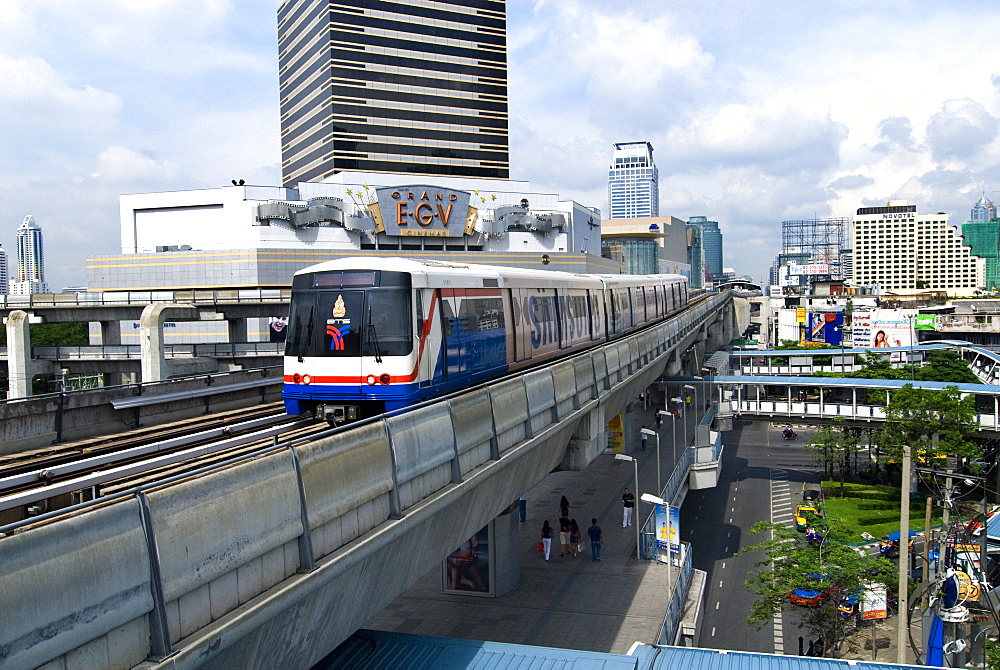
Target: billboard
[881,328]
[814,269]
[467,569]
[668,528]
[616,434]
[924,322]
[825,327]
[873,602]
[422,211]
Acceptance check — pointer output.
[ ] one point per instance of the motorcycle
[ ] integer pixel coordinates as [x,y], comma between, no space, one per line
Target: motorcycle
[789,434]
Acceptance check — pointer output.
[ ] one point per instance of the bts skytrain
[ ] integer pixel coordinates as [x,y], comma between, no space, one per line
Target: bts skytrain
[369,335]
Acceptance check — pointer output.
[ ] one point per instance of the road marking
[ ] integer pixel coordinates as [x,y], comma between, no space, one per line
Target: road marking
[726,550]
[724,563]
[716,604]
[720,583]
[713,631]
[730,519]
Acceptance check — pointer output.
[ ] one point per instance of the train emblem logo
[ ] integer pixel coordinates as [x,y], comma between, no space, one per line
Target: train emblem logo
[338,328]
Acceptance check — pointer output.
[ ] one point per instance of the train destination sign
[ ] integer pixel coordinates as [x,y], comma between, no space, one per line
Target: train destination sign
[422,211]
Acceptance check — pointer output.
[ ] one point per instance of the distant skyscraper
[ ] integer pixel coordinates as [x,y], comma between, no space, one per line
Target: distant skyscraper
[711,242]
[30,260]
[633,182]
[983,211]
[982,234]
[4,276]
[407,86]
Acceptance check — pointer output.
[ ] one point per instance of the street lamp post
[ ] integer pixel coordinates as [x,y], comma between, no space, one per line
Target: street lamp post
[697,400]
[635,467]
[684,425]
[656,434]
[673,434]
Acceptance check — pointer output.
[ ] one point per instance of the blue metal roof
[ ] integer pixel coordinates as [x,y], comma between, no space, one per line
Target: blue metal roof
[770,380]
[380,650]
[813,351]
[686,658]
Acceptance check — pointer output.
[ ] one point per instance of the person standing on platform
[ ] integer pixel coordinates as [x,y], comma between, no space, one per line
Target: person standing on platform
[594,533]
[642,440]
[563,507]
[563,536]
[546,538]
[628,502]
[522,507]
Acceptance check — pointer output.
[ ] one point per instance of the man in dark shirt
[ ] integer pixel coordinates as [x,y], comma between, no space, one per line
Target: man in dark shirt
[594,533]
[628,502]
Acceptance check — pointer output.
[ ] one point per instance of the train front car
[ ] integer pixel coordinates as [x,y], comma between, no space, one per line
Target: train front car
[350,347]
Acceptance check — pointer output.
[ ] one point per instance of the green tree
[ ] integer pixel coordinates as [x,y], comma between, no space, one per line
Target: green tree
[946,365]
[790,563]
[833,447]
[63,334]
[935,423]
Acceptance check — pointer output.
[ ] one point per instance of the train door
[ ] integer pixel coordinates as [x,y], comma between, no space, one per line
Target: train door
[455,339]
[338,329]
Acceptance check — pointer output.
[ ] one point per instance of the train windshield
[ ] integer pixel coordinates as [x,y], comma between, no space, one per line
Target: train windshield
[350,323]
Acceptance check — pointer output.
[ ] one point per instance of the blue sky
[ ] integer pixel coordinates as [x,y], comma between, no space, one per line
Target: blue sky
[758,111]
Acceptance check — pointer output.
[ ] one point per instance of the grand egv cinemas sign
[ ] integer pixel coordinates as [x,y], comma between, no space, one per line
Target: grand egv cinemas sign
[422,211]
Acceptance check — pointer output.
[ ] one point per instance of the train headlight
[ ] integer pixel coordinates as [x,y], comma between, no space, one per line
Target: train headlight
[371,380]
[384,378]
[307,379]
[297,378]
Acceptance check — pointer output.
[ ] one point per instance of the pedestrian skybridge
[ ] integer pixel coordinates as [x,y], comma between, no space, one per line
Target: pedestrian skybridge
[824,399]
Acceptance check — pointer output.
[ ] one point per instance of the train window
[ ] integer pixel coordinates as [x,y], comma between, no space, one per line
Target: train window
[389,331]
[479,314]
[447,316]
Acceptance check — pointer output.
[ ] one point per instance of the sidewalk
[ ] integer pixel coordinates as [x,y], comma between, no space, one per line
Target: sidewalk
[567,602]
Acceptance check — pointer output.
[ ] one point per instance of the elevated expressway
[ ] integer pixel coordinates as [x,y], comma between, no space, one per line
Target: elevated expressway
[273,560]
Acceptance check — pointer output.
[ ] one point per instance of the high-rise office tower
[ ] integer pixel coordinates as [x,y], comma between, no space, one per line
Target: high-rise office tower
[4,276]
[393,86]
[633,182]
[30,260]
[983,211]
[711,242]
[982,234]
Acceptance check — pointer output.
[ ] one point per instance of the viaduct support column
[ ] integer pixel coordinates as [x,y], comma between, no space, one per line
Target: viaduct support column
[20,367]
[154,362]
[588,442]
[111,335]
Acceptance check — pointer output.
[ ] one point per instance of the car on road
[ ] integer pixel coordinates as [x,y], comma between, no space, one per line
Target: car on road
[813,597]
[811,494]
[802,515]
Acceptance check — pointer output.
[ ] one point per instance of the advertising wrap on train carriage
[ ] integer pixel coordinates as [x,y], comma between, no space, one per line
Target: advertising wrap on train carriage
[881,328]
[422,211]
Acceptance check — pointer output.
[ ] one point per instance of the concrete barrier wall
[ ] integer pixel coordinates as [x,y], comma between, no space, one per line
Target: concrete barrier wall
[423,444]
[541,396]
[472,423]
[347,479]
[565,388]
[599,363]
[224,538]
[613,364]
[510,412]
[77,590]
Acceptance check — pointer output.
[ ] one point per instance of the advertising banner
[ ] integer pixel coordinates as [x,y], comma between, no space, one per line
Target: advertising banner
[668,528]
[924,322]
[616,435]
[815,269]
[881,328]
[423,211]
[467,569]
[826,328]
[873,602]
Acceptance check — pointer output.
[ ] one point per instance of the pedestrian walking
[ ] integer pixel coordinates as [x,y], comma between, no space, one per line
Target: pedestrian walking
[546,538]
[574,537]
[594,533]
[563,507]
[628,502]
[642,439]
[522,507]
[563,536]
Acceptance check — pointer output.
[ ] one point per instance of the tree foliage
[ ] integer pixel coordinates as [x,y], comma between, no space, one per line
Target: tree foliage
[790,563]
[63,334]
[935,423]
[832,447]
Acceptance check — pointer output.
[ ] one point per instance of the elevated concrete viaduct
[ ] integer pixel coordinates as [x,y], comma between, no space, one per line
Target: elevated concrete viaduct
[273,561]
